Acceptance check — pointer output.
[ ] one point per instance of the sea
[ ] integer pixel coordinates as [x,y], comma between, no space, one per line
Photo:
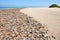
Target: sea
[4,8]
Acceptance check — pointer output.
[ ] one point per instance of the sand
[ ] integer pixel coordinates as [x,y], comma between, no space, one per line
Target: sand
[15,25]
[48,16]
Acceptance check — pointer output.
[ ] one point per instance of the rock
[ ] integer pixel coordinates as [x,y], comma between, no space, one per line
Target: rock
[15,25]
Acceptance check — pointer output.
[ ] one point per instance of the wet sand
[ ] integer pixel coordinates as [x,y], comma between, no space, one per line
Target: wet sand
[48,16]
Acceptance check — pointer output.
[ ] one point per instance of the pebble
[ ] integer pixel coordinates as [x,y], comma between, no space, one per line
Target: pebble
[20,26]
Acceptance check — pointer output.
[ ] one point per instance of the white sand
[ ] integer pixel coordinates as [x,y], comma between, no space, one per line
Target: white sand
[48,16]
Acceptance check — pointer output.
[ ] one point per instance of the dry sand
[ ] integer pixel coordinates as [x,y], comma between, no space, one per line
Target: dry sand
[48,16]
[15,25]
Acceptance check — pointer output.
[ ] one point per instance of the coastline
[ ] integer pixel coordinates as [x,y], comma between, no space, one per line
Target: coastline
[48,16]
[15,24]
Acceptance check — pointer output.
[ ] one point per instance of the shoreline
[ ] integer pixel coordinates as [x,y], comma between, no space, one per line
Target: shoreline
[48,16]
[15,24]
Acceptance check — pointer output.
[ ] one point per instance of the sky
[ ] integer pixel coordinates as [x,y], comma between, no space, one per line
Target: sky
[28,3]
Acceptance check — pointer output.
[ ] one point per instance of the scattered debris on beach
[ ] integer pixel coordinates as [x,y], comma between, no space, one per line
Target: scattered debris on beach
[15,25]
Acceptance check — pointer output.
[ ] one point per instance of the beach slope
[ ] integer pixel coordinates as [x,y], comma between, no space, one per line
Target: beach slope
[47,16]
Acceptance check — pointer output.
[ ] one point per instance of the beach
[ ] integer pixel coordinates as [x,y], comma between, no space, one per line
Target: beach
[15,25]
[30,24]
[47,16]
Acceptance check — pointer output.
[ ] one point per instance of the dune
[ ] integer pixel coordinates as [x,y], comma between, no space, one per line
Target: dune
[47,16]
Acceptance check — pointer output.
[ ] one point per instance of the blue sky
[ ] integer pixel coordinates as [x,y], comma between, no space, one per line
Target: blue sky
[28,3]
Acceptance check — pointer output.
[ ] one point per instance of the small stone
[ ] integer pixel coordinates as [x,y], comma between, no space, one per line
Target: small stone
[15,25]
[26,38]
[30,32]
[38,35]
[45,35]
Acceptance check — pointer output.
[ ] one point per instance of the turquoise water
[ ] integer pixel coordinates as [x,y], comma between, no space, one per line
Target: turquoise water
[2,8]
